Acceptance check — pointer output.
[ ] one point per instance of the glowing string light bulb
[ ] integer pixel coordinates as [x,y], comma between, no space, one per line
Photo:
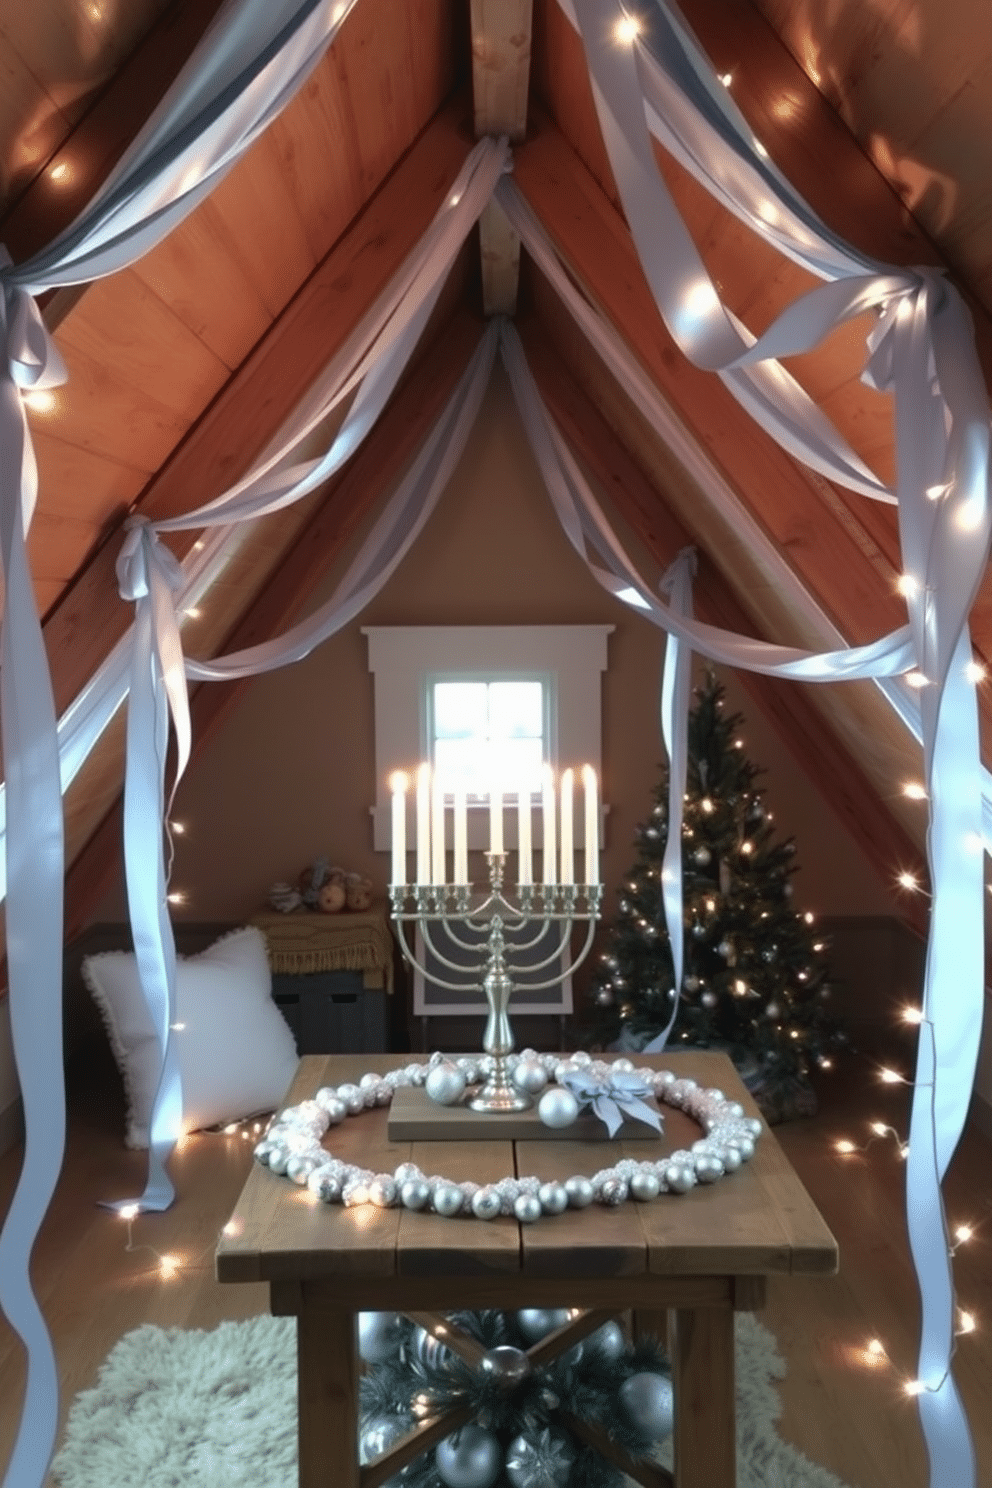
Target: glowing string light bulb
[628,29]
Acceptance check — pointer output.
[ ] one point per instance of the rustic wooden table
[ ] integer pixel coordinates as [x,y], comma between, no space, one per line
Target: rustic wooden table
[681,1264]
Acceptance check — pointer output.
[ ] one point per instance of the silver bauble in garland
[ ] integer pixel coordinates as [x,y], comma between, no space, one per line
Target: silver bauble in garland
[536,1323]
[542,1461]
[529,1075]
[445,1084]
[505,1365]
[378,1335]
[648,1400]
[470,1458]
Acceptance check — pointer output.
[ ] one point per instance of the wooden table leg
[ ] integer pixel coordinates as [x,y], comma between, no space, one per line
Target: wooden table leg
[328,1398]
[703,1379]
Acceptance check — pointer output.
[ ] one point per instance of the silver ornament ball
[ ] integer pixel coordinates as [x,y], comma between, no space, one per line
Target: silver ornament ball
[415,1193]
[553,1197]
[378,1336]
[608,1341]
[470,1458]
[580,1192]
[543,1460]
[648,1400]
[536,1323]
[445,1084]
[527,1208]
[507,1365]
[486,1203]
[558,1108]
[529,1075]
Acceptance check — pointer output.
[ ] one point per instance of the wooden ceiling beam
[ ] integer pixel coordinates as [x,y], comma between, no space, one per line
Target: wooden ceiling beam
[501,42]
[349,500]
[639,502]
[68,180]
[261,395]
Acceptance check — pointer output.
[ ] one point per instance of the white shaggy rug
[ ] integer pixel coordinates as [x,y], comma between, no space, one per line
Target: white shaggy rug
[177,1409]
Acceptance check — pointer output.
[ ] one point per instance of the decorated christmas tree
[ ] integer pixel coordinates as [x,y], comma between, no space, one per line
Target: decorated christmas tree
[754,981]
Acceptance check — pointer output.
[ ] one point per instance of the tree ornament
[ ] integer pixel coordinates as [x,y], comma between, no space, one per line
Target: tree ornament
[558,1107]
[470,1458]
[529,1075]
[726,950]
[543,1461]
[690,984]
[625,906]
[769,953]
[445,1084]
[378,1335]
[604,997]
[430,1351]
[702,856]
[507,1365]
[378,1434]
[536,1323]
[699,931]
[648,1400]
[608,1341]
[709,999]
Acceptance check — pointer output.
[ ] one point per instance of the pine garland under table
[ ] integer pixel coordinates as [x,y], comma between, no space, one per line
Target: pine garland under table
[682,1264]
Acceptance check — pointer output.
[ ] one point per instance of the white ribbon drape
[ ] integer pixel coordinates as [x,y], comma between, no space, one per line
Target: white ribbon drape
[251,60]
[922,350]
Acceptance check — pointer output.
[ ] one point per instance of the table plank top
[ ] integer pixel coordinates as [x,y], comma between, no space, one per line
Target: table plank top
[755,1221]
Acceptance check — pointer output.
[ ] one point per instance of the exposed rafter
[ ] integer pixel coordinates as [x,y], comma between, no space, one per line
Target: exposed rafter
[501,39]
[265,390]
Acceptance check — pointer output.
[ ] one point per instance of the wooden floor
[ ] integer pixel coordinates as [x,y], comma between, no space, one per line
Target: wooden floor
[842,1408]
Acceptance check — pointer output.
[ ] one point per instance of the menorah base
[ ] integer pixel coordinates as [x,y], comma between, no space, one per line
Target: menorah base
[496,1098]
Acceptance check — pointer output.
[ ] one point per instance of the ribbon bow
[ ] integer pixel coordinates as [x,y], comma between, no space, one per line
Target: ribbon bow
[141,551]
[33,360]
[612,1098]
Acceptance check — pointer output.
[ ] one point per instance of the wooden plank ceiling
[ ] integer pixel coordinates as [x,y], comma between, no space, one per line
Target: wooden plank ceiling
[182,368]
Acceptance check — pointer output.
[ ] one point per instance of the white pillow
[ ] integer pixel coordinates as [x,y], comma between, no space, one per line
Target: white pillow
[237,1056]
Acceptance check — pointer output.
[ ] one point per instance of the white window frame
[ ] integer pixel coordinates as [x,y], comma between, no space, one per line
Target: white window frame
[406,659]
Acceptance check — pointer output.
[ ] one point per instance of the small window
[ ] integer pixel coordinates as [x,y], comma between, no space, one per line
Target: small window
[482,731]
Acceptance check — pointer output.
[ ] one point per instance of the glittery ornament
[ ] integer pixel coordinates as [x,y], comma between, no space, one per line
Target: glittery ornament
[648,1400]
[536,1323]
[540,1461]
[702,856]
[470,1458]
[378,1335]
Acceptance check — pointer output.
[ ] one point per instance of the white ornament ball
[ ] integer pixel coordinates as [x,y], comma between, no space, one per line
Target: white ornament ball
[470,1458]
[649,1402]
[445,1084]
[558,1108]
[529,1075]
[383,1191]
[708,1168]
[378,1336]
[679,1179]
[536,1323]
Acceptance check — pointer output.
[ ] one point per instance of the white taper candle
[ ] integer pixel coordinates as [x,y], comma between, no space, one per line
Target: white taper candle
[437,831]
[461,836]
[591,823]
[567,848]
[495,817]
[548,822]
[525,867]
[398,783]
[424,824]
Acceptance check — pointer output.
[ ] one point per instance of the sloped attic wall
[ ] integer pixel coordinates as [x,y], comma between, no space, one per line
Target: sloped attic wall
[290,775]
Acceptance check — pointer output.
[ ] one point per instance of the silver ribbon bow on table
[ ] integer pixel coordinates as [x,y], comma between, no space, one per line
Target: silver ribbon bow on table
[612,1098]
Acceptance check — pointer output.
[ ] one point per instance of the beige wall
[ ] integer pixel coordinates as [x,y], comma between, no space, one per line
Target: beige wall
[290,774]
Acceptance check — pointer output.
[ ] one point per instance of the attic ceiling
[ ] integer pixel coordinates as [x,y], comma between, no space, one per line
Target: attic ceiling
[182,367]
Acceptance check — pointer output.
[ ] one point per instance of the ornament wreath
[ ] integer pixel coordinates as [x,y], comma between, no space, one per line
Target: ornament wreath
[292,1145]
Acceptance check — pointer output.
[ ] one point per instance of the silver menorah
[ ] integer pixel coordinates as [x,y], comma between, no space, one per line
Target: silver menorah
[537,905]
